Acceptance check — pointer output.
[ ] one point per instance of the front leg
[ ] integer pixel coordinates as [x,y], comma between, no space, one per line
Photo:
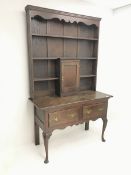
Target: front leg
[46,137]
[36,129]
[103,129]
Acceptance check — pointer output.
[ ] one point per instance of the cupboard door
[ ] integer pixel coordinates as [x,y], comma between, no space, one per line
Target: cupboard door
[70,76]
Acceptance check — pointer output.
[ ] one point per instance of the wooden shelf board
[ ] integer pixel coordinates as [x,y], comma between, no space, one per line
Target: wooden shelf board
[45,79]
[44,58]
[88,58]
[63,36]
[54,58]
[87,76]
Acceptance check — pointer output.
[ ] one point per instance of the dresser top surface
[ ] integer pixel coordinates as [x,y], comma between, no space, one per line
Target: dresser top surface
[48,102]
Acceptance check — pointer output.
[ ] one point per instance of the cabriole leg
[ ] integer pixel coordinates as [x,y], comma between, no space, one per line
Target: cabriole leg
[46,137]
[103,129]
[36,128]
[86,125]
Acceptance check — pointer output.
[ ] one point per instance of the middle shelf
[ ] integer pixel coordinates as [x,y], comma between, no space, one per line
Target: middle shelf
[57,78]
[47,70]
[52,48]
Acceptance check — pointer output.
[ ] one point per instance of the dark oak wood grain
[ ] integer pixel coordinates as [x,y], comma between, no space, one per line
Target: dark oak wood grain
[63,56]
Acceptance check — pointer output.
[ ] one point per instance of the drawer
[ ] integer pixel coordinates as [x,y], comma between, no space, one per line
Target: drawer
[94,111]
[64,116]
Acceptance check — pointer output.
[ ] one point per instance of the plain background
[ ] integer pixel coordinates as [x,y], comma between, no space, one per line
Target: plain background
[72,149]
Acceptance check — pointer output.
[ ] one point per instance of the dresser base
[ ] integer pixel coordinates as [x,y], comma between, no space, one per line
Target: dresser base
[53,113]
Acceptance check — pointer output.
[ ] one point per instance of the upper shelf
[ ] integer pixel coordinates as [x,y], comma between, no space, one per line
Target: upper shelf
[63,36]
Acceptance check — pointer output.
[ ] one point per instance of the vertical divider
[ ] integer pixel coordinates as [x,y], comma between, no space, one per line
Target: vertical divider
[95,54]
[47,56]
[77,43]
[30,60]
[63,39]
[77,55]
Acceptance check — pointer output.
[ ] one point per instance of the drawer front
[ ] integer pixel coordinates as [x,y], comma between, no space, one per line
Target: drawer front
[94,111]
[64,116]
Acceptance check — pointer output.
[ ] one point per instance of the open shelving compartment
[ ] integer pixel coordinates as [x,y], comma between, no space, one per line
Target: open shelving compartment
[52,39]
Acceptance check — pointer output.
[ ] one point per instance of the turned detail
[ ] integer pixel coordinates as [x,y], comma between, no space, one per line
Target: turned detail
[103,129]
[46,137]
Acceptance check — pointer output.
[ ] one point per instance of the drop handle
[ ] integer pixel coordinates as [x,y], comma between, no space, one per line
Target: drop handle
[56,119]
[88,111]
[100,109]
[72,115]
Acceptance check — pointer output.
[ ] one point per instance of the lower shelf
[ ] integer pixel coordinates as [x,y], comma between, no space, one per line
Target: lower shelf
[87,76]
[46,79]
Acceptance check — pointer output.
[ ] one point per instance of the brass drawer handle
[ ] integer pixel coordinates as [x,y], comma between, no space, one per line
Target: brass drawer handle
[56,119]
[100,109]
[88,111]
[62,78]
[72,115]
